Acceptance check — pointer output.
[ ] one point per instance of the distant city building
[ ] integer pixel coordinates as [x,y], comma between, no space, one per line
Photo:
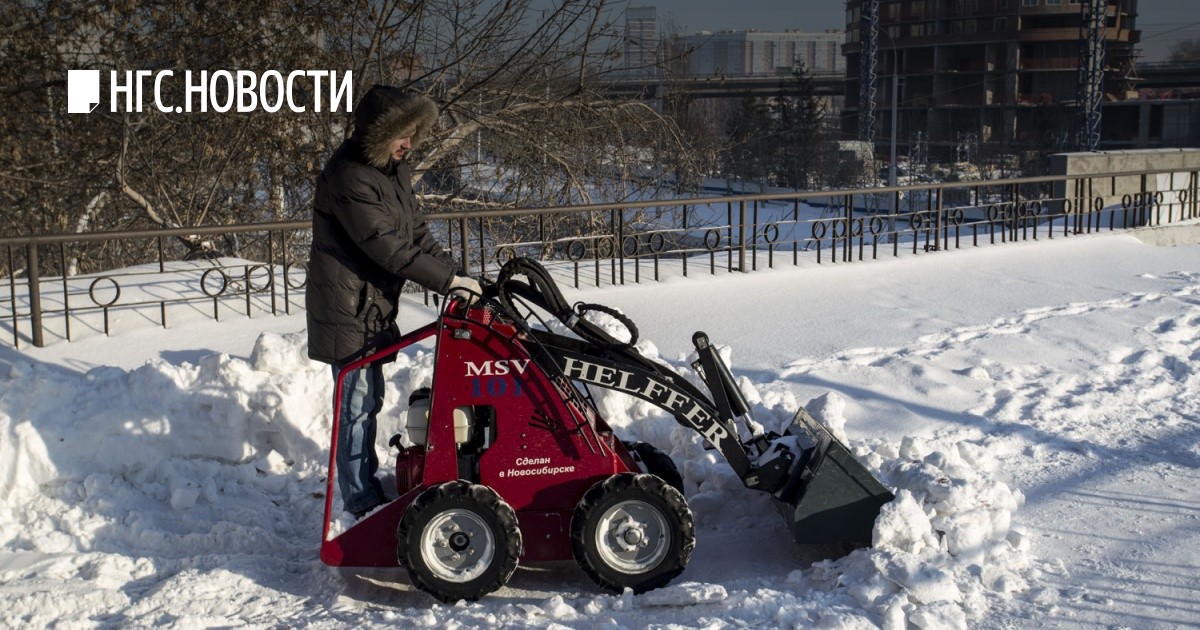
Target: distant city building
[641,40]
[760,53]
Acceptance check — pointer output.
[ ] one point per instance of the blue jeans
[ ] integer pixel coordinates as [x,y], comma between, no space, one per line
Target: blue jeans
[362,398]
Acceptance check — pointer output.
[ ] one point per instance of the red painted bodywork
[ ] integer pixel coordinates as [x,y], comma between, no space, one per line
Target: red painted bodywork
[545,455]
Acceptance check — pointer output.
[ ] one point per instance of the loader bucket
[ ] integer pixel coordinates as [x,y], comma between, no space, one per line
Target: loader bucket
[830,497]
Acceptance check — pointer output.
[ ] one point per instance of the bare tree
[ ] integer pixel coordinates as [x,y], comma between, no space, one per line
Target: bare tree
[525,120]
[150,168]
[524,114]
[1185,50]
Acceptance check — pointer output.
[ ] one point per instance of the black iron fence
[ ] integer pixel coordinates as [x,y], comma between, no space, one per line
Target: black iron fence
[53,291]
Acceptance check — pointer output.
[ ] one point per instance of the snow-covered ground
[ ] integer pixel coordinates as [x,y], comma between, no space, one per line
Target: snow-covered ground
[1034,405]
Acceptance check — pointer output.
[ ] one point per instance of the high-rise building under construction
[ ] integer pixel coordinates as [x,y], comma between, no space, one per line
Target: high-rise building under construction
[998,71]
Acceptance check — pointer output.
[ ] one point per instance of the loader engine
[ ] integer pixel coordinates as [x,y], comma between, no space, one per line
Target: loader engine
[473,428]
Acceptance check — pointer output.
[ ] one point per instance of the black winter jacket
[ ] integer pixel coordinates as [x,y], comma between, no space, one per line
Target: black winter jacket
[368,235]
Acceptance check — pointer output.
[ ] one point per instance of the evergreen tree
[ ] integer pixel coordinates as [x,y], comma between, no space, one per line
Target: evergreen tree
[750,143]
[799,146]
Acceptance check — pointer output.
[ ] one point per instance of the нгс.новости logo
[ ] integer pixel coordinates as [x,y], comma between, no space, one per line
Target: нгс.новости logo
[219,91]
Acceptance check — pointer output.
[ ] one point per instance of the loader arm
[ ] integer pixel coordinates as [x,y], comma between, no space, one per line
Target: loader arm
[654,384]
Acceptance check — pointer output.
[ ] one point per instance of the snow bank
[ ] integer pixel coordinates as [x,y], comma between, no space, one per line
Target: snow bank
[108,420]
[114,472]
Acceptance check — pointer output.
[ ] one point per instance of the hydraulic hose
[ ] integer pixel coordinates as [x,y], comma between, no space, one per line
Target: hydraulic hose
[543,292]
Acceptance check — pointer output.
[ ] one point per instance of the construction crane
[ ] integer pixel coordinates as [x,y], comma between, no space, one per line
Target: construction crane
[868,72]
[1093,18]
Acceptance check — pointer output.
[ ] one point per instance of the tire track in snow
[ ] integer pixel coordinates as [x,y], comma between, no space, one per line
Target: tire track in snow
[1074,427]
[1078,411]
[936,344]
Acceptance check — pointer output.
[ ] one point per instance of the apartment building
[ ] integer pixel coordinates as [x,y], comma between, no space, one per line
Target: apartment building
[762,53]
[641,41]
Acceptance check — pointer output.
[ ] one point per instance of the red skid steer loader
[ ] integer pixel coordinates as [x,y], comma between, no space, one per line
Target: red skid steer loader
[511,461]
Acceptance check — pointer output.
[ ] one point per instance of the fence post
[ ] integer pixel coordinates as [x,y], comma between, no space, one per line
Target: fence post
[849,244]
[35,295]
[754,238]
[1143,211]
[742,236]
[939,225]
[462,240]
[729,236]
[617,219]
[1195,192]
[271,266]
[685,231]
[482,251]
[542,237]
[62,257]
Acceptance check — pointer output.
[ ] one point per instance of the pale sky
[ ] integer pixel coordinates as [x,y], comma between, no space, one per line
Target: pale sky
[1162,22]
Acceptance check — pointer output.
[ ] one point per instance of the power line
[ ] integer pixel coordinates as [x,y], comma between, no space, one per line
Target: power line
[1167,32]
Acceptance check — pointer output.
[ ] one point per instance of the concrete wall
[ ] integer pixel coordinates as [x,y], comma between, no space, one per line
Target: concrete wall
[1169,235]
[1178,185]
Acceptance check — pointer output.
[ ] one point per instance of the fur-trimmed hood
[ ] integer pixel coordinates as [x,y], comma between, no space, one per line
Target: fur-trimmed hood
[386,113]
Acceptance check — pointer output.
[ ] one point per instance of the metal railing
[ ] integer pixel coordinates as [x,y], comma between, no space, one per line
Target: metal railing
[595,244]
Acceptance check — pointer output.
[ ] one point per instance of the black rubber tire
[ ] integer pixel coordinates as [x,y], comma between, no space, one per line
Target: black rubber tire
[656,462]
[477,506]
[649,494]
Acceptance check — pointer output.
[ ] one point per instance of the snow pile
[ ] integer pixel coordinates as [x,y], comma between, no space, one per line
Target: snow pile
[224,410]
[130,488]
[943,551]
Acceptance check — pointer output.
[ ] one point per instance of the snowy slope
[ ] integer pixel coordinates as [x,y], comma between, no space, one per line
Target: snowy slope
[1034,405]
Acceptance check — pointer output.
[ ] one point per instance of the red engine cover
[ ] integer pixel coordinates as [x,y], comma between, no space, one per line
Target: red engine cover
[544,455]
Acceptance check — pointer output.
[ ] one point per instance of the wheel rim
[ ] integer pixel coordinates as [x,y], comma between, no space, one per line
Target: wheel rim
[457,545]
[632,537]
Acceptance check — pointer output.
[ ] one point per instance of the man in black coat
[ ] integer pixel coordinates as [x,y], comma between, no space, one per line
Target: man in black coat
[368,239]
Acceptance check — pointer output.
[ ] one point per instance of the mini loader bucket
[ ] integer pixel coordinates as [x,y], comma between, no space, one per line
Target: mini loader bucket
[828,497]
[823,493]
